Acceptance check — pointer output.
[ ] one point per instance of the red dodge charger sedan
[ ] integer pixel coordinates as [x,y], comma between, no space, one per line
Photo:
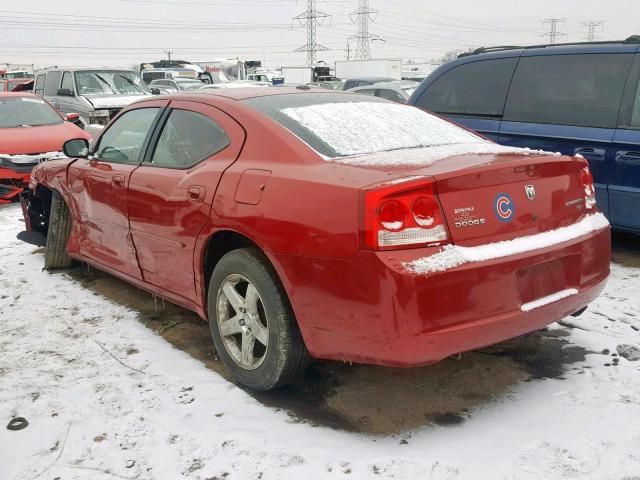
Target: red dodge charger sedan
[316,224]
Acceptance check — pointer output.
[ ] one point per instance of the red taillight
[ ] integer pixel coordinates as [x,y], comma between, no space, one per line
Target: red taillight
[402,214]
[589,189]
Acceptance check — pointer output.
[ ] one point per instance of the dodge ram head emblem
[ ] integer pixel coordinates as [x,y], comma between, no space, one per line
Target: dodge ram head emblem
[530,190]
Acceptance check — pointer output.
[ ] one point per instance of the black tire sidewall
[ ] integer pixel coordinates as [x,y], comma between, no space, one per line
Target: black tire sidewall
[249,264]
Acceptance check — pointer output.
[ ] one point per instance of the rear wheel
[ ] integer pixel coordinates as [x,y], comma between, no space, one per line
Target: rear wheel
[55,255]
[252,325]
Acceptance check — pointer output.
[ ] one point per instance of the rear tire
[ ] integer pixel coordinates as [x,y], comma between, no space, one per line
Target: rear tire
[258,313]
[55,255]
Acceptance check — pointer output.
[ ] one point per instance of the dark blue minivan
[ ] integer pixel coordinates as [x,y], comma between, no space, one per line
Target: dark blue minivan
[572,98]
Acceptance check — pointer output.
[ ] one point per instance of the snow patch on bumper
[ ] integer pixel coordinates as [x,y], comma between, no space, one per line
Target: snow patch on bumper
[452,256]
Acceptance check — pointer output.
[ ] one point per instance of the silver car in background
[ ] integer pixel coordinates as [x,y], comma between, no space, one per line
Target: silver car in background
[398,91]
[96,94]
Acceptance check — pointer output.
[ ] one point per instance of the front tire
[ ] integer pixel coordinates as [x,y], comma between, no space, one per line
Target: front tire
[252,325]
[55,255]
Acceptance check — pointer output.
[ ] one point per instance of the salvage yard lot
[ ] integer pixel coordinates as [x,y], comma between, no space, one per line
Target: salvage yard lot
[117,385]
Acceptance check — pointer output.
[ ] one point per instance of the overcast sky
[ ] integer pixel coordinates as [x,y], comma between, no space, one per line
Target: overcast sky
[127,32]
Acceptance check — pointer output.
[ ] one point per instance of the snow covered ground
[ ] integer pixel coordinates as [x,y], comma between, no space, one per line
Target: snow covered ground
[106,397]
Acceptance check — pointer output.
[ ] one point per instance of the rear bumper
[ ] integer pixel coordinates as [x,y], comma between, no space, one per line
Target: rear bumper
[371,309]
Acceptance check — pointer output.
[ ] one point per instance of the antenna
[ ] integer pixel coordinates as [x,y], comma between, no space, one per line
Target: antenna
[553,33]
[591,28]
[362,16]
[311,19]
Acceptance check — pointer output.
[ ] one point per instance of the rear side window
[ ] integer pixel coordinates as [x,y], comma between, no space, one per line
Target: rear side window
[580,90]
[52,83]
[635,114]
[39,86]
[188,138]
[389,95]
[474,89]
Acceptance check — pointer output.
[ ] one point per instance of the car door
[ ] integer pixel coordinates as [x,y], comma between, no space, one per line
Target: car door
[568,103]
[471,94]
[67,104]
[171,193]
[98,187]
[624,185]
[51,86]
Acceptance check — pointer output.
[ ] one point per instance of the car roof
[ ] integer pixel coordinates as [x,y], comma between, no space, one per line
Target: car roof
[205,95]
[84,69]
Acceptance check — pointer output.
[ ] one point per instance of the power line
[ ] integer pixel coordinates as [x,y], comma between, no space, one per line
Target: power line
[362,16]
[553,32]
[311,19]
[591,28]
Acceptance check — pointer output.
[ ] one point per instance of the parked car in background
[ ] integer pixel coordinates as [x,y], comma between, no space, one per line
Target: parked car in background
[31,131]
[398,91]
[329,85]
[410,239]
[179,84]
[151,74]
[238,84]
[16,85]
[97,95]
[573,98]
[364,81]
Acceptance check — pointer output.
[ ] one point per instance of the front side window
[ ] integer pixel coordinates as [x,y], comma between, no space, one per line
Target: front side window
[26,112]
[340,125]
[67,81]
[474,89]
[578,90]
[123,141]
[367,91]
[52,83]
[188,138]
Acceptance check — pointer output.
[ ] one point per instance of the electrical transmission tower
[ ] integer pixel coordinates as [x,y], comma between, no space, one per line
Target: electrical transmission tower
[591,29]
[362,16]
[553,33]
[311,18]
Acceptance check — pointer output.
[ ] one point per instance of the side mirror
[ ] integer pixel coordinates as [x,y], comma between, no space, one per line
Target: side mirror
[76,148]
[72,117]
[65,92]
[155,91]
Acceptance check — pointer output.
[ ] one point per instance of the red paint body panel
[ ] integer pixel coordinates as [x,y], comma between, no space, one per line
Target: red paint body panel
[304,213]
[32,140]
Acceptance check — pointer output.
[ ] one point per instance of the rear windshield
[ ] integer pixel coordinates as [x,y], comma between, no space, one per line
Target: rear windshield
[26,112]
[340,125]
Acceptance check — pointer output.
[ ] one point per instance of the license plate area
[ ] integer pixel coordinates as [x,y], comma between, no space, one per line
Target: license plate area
[548,278]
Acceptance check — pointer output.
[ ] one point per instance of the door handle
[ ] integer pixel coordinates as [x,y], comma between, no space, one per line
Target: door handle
[196,194]
[117,180]
[591,153]
[628,157]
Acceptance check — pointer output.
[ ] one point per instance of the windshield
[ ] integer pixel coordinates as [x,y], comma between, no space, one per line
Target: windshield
[339,125]
[109,82]
[189,84]
[26,112]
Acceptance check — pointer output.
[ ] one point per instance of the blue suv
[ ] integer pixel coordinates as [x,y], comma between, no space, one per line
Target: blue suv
[570,98]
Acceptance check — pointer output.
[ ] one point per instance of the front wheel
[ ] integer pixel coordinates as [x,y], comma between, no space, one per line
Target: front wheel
[252,325]
[55,255]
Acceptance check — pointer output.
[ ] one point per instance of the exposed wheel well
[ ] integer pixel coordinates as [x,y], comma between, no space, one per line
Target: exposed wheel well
[220,244]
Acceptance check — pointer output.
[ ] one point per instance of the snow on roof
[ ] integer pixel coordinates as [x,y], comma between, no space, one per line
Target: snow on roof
[452,256]
[360,128]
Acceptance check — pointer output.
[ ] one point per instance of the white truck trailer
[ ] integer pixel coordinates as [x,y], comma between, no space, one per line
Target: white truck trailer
[297,74]
[391,68]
